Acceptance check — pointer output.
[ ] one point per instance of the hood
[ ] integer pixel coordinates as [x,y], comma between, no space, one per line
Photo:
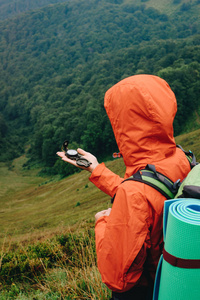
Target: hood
[141,110]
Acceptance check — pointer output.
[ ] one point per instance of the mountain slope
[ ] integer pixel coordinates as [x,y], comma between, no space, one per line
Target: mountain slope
[12,8]
[170,7]
[33,206]
[56,64]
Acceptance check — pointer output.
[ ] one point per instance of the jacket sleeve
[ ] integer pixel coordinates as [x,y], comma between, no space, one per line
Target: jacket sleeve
[105,180]
[122,239]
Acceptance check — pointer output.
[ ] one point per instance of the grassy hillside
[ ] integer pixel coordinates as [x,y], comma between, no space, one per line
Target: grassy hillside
[47,232]
[33,205]
[190,141]
[55,68]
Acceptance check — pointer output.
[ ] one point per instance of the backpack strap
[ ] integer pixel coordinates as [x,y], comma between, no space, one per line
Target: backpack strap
[160,182]
[190,156]
[181,262]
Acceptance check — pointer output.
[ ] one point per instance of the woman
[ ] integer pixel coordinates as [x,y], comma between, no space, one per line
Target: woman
[141,110]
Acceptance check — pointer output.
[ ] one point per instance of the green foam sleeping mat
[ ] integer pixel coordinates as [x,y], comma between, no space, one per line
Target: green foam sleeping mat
[178,271]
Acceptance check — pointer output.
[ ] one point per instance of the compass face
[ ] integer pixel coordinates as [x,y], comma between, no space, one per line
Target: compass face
[72,153]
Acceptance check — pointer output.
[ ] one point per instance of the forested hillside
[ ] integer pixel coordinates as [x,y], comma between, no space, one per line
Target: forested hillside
[56,64]
[11,8]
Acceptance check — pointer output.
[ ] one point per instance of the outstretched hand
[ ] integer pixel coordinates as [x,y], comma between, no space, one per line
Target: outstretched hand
[90,157]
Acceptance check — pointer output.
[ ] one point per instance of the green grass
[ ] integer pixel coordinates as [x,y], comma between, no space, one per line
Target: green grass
[190,141]
[32,205]
[47,232]
[63,267]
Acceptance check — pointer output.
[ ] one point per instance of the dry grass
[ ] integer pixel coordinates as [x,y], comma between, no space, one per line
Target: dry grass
[71,273]
[82,281]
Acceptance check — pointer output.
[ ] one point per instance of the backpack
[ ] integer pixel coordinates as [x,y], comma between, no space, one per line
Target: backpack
[188,188]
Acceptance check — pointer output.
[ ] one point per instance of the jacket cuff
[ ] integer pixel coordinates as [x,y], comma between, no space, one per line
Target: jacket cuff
[105,179]
[97,172]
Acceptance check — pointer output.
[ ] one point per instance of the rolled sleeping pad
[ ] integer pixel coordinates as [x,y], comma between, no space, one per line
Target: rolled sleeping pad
[178,271]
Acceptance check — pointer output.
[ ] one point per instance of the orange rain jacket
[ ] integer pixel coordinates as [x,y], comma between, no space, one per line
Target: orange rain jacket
[141,110]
